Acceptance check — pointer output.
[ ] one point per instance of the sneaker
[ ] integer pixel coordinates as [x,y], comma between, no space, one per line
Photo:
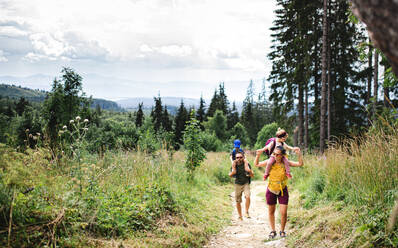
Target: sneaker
[289,175]
[240,218]
[247,215]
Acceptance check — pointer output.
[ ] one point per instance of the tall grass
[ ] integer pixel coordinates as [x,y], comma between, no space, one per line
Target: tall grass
[357,179]
[115,195]
[366,168]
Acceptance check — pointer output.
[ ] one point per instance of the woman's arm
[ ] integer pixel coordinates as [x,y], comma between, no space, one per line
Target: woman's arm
[300,158]
[256,162]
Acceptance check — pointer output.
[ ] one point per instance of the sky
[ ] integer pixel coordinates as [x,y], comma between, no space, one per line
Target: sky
[133,48]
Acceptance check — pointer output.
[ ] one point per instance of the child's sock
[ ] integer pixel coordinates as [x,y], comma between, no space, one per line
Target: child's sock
[287,167]
[270,162]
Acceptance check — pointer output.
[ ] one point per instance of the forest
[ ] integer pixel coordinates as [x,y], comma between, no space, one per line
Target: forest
[76,174]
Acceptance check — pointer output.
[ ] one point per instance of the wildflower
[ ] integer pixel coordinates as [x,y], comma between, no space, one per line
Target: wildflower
[85,129]
[86,120]
[65,127]
[61,132]
[38,134]
[71,121]
[30,135]
[27,130]
[78,118]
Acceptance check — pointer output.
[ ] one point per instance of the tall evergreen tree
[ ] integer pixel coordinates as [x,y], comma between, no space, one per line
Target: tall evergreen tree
[166,121]
[180,122]
[233,117]
[21,105]
[157,114]
[201,113]
[247,116]
[139,118]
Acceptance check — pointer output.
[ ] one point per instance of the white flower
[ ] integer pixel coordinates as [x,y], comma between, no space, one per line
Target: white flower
[71,121]
[85,129]
[78,118]
[38,134]
[64,127]
[86,120]
[27,130]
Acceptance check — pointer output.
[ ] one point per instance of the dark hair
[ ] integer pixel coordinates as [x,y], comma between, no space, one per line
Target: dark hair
[282,135]
[240,153]
[282,149]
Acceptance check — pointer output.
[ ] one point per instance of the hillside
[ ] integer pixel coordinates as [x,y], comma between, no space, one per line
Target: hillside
[17,92]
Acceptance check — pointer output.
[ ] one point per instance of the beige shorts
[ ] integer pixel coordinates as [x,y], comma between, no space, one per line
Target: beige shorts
[239,189]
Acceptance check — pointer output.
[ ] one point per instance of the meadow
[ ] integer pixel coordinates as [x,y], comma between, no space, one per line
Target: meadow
[346,197]
[129,197]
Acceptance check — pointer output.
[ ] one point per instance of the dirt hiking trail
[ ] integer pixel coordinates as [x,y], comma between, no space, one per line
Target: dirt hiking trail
[249,232]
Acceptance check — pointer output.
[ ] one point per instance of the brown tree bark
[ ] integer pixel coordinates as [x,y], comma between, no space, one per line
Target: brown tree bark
[381,19]
[375,82]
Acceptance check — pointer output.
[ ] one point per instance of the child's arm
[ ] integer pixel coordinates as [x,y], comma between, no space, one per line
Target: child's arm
[287,147]
[233,172]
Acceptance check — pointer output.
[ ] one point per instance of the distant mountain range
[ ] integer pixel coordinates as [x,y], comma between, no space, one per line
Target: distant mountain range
[17,92]
[35,88]
[172,103]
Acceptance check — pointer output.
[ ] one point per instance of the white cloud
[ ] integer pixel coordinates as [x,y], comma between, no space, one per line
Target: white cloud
[213,38]
[2,57]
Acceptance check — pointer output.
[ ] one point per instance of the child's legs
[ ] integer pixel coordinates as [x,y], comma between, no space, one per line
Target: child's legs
[270,162]
[286,163]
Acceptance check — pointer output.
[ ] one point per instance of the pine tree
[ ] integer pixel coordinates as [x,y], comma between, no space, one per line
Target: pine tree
[139,118]
[233,117]
[21,105]
[157,114]
[247,116]
[200,114]
[166,121]
[180,122]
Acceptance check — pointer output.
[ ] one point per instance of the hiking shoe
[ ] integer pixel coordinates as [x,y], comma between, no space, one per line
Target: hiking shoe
[247,215]
[289,175]
[282,234]
[272,235]
[240,218]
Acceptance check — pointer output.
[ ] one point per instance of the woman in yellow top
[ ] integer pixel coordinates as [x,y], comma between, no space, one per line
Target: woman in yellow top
[277,187]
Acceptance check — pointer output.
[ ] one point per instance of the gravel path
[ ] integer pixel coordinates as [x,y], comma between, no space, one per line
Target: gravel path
[252,232]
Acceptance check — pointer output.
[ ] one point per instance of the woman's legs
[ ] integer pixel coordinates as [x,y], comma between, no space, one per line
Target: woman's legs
[283,212]
[271,216]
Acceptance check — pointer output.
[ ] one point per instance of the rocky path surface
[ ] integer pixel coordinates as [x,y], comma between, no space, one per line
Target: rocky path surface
[249,232]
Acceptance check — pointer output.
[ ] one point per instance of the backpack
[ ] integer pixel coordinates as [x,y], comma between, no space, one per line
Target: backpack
[269,152]
[277,178]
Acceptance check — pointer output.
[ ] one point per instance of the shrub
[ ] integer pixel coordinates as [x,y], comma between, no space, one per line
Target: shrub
[268,131]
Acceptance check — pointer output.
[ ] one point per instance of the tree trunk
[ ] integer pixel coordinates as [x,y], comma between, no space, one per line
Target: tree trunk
[386,90]
[381,20]
[300,114]
[369,88]
[306,119]
[323,91]
[329,85]
[375,82]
